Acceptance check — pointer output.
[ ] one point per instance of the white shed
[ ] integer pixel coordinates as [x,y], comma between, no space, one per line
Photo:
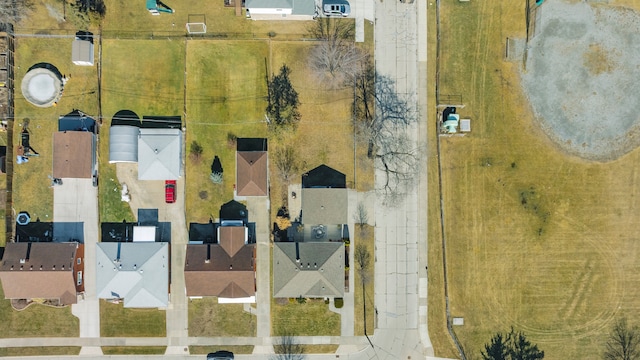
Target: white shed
[82,52]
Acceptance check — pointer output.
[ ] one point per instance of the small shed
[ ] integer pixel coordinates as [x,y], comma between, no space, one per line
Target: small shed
[82,49]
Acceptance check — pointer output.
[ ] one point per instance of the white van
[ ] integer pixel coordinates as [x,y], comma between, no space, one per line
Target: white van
[336,7]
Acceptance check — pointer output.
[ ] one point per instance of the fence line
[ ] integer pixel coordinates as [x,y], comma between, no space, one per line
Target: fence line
[166,35]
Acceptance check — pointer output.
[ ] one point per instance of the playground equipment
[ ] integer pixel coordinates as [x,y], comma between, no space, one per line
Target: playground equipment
[155,7]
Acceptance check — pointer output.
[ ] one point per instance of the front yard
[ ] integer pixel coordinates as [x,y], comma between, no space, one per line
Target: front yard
[36,321]
[118,321]
[207,318]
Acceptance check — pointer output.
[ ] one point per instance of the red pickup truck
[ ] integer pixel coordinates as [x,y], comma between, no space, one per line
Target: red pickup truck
[170,191]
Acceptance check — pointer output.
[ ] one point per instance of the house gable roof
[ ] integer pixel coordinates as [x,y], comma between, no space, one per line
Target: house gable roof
[211,270]
[324,177]
[73,154]
[159,154]
[324,206]
[137,272]
[25,279]
[318,273]
[251,173]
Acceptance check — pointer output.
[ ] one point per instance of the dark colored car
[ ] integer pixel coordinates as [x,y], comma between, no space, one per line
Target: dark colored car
[220,355]
[170,191]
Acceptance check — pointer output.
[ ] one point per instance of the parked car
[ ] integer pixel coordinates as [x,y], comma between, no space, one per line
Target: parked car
[336,7]
[220,355]
[170,191]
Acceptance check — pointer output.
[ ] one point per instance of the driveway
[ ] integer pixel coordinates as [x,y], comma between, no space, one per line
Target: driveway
[150,195]
[76,200]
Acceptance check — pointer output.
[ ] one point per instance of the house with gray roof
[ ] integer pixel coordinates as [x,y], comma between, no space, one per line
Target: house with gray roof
[308,269]
[159,154]
[136,272]
[281,9]
[324,197]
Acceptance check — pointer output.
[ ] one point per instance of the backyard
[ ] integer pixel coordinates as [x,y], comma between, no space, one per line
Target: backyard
[536,238]
[31,181]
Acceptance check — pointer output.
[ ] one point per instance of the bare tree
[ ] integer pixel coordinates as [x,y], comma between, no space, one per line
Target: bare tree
[384,119]
[623,342]
[12,11]
[336,60]
[361,217]
[363,259]
[285,159]
[288,349]
[332,29]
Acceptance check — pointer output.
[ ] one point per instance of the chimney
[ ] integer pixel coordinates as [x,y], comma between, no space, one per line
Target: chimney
[54,267]
[230,266]
[28,252]
[297,252]
[208,259]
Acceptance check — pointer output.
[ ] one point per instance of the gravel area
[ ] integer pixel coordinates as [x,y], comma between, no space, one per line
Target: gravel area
[582,78]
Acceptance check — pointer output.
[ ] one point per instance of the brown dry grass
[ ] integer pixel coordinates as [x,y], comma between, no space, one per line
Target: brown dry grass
[364,236]
[320,349]
[32,191]
[235,349]
[40,351]
[536,239]
[134,350]
[208,318]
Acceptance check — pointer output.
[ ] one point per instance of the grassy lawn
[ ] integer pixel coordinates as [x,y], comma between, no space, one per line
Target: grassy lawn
[223,96]
[36,321]
[236,349]
[303,319]
[325,128]
[144,85]
[538,240]
[32,191]
[132,16]
[364,236]
[207,318]
[437,319]
[320,349]
[116,321]
[134,350]
[40,351]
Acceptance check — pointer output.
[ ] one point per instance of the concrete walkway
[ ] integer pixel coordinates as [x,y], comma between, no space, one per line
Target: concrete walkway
[258,208]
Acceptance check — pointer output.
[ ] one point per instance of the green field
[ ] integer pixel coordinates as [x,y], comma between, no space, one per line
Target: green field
[536,239]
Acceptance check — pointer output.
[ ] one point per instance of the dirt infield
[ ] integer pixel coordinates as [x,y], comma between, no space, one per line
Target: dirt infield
[579,78]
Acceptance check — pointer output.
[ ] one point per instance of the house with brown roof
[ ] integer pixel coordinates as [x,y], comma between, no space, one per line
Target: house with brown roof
[252,167]
[74,147]
[52,271]
[225,269]
[74,154]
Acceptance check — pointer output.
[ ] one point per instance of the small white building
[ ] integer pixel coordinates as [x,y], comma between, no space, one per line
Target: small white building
[82,52]
[280,9]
